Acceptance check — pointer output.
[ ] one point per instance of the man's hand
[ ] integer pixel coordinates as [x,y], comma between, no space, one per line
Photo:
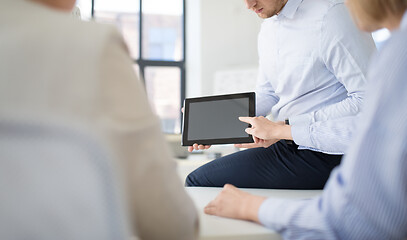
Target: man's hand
[234,203]
[257,143]
[267,132]
[198,147]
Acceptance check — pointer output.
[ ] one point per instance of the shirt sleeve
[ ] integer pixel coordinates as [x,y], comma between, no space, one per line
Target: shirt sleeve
[265,95]
[321,135]
[346,52]
[156,195]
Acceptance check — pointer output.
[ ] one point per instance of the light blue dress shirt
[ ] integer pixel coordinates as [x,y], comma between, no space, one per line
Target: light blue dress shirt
[366,196]
[312,65]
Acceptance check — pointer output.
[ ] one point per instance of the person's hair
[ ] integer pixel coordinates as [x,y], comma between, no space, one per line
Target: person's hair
[376,11]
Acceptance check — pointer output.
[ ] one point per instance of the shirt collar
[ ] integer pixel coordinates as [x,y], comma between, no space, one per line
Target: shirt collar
[290,8]
[403,23]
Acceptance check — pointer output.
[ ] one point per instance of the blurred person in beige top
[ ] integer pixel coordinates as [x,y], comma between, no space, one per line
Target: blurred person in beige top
[54,67]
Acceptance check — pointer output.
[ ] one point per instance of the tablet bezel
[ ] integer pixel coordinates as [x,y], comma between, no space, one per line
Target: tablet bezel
[252,112]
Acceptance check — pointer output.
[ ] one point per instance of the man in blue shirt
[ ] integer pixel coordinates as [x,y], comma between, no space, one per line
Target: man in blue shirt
[312,67]
[366,196]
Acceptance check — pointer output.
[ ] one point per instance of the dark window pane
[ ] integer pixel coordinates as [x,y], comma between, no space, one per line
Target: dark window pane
[163,88]
[163,30]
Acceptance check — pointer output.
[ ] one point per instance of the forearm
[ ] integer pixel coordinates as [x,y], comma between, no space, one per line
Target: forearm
[350,106]
[332,136]
[250,208]
[265,129]
[297,218]
[284,132]
[280,130]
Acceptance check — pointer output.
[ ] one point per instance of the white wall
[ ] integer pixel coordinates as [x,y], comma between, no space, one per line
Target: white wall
[221,34]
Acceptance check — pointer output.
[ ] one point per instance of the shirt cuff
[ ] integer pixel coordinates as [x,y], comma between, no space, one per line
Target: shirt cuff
[277,213]
[301,134]
[305,119]
[269,215]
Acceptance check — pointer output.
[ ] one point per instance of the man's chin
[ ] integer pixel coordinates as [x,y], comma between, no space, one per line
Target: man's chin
[263,16]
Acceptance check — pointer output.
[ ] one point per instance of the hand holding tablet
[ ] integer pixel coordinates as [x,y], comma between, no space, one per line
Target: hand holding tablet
[215,119]
[262,130]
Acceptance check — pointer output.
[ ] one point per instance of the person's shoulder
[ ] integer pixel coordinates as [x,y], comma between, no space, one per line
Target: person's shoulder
[335,7]
[398,38]
[90,28]
[334,14]
[321,8]
[78,41]
[55,26]
[93,31]
[86,36]
[325,3]
[395,49]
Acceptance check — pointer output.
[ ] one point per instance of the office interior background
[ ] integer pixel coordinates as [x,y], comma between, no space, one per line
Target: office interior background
[187,48]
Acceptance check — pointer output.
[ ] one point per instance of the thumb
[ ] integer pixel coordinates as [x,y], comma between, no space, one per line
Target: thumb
[249,131]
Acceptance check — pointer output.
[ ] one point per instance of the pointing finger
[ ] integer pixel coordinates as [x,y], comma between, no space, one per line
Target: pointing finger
[246,119]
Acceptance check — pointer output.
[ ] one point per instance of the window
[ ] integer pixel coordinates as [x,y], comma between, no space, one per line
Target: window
[154,31]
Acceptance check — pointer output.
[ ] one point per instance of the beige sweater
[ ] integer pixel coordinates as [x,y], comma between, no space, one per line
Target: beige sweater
[52,66]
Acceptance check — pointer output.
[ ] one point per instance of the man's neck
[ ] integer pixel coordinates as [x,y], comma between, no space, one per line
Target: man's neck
[61,5]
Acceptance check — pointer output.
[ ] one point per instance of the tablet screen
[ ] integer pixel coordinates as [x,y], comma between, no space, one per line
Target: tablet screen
[214,120]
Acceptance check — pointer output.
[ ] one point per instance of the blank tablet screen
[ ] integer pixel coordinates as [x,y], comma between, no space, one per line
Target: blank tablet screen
[214,120]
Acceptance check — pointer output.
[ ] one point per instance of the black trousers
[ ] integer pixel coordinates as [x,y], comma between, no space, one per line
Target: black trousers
[280,166]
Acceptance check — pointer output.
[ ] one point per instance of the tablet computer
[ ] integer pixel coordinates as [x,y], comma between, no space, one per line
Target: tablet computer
[215,119]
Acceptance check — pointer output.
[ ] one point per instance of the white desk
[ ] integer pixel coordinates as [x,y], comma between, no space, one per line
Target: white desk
[217,228]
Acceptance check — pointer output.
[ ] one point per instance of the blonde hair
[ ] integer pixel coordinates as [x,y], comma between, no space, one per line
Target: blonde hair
[376,11]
